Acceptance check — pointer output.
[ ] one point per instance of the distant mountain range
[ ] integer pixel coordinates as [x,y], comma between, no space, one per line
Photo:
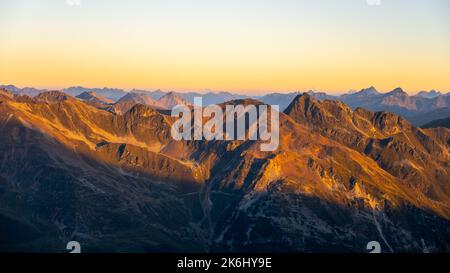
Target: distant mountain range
[165,102]
[113,94]
[118,182]
[29,91]
[419,109]
[429,94]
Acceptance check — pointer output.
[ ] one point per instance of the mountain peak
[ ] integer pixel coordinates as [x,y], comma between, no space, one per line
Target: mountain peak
[171,100]
[370,91]
[53,96]
[397,92]
[138,98]
[87,95]
[131,99]
[93,97]
[306,96]
[320,95]
[300,105]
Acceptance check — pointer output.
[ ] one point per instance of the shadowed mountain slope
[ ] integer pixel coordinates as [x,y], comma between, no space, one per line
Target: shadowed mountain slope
[119,182]
[438,123]
[94,99]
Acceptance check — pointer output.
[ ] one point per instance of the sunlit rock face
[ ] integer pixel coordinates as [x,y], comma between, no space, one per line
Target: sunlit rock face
[71,170]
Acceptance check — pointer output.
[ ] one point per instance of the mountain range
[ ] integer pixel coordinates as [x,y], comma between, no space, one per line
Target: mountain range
[419,109]
[117,182]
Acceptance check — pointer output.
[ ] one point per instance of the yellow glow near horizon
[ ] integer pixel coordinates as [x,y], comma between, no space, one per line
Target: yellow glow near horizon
[237,53]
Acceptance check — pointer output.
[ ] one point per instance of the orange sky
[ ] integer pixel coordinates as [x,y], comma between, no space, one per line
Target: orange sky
[229,45]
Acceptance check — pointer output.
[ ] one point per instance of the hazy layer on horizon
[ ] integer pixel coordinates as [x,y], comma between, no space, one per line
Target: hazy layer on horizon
[238,46]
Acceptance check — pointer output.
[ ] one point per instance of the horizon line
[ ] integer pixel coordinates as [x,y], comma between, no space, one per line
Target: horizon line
[209,91]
